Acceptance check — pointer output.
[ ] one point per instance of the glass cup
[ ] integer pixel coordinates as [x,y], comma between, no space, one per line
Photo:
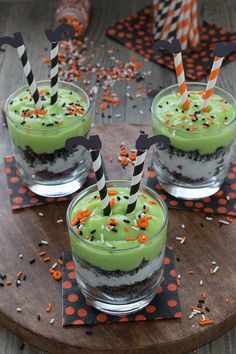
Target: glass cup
[44,164]
[100,272]
[196,163]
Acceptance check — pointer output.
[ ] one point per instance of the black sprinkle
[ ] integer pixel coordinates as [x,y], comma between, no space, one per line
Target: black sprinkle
[50,125]
[207,309]
[22,346]
[201,301]
[118,198]
[187,129]
[127,221]
[134,106]
[95,197]
[109,116]
[167,102]
[32,261]
[142,132]
[93,231]
[53,114]
[89,333]
[63,105]
[22,122]
[114,230]
[103,115]
[3,277]
[38,317]
[71,92]
[160,106]
[81,233]
[225,118]
[18,283]
[176,109]
[126,197]
[212,117]
[43,123]
[177,259]
[24,277]
[11,102]
[40,244]
[91,238]
[195,105]
[201,224]
[15,111]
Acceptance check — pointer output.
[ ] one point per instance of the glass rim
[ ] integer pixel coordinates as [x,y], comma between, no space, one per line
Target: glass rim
[191,83]
[41,83]
[93,188]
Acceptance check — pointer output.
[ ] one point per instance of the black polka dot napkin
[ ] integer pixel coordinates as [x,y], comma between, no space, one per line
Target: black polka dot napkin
[135,33]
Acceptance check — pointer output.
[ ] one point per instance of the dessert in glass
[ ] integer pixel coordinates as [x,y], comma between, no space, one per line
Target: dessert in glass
[196,162]
[39,136]
[118,258]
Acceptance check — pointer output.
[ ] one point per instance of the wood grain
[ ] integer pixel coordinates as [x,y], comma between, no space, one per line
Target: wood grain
[32,17]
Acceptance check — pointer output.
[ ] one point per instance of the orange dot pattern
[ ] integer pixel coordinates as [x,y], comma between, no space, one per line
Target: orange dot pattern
[21,197]
[135,33]
[77,311]
[222,202]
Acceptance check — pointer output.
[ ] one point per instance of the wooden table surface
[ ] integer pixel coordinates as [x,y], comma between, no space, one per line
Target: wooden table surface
[32,17]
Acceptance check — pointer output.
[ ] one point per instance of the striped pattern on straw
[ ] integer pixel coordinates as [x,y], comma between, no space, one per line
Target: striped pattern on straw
[176,19]
[181,80]
[101,183]
[136,180]
[215,70]
[21,50]
[54,72]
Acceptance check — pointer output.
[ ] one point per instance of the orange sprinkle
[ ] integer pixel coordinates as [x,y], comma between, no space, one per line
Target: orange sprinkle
[124,152]
[8,282]
[142,222]
[190,272]
[152,202]
[57,275]
[19,274]
[51,271]
[204,295]
[113,221]
[25,114]
[103,106]
[133,58]
[129,239]
[46,259]
[124,161]
[132,156]
[143,195]
[43,91]
[196,308]
[39,112]
[178,282]
[183,116]
[168,115]
[112,192]
[137,65]
[126,229]
[229,219]
[205,322]
[166,121]
[113,100]
[226,300]
[142,238]
[42,253]
[49,308]
[59,261]
[112,202]
[210,271]
[78,232]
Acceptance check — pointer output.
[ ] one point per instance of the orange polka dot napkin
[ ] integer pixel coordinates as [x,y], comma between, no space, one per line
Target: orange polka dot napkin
[222,202]
[21,197]
[75,310]
[135,33]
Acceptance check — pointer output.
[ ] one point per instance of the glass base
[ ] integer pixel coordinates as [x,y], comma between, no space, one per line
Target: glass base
[189,193]
[59,190]
[119,309]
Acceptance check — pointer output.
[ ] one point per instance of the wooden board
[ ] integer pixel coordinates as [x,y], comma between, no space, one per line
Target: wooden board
[21,231]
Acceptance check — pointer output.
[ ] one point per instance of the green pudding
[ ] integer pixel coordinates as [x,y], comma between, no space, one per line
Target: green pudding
[46,130]
[118,241]
[192,129]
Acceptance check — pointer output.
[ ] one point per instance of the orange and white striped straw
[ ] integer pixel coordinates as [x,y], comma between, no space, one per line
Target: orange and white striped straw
[181,80]
[184,24]
[194,30]
[215,70]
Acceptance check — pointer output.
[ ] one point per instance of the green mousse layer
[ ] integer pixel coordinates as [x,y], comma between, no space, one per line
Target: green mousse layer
[118,241]
[192,129]
[46,130]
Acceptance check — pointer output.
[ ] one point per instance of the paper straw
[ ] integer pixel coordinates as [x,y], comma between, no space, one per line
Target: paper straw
[215,70]
[171,19]
[136,180]
[54,72]
[155,7]
[101,183]
[143,143]
[162,11]
[185,24]
[174,20]
[181,80]
[21,50]
[194,30]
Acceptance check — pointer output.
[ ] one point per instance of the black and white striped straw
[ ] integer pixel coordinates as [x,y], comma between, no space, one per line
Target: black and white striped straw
[101,183]
[143,143]
[21,50]
[54,72]
[174,20]
[54,37]
[93,144]
[136,180]
[160,20]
